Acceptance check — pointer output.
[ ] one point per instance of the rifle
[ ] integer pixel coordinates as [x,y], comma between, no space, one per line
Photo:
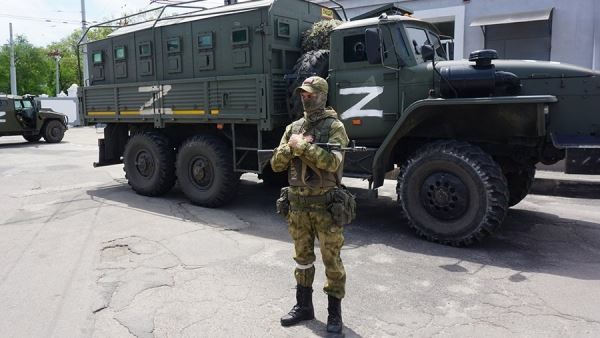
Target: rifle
[264,155]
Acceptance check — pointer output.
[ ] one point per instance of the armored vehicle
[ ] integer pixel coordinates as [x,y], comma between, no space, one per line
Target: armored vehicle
[23,115]
[193,97]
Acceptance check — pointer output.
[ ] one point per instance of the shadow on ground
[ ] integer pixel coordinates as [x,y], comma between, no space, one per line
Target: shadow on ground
[529,241]
[25,144]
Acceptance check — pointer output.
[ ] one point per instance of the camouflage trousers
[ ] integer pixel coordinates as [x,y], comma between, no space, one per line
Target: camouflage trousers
[304,227]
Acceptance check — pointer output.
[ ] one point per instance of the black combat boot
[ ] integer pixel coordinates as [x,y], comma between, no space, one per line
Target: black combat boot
[303,310]
[334,320]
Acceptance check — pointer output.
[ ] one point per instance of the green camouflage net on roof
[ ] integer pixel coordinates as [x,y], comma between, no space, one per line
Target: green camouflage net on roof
[317,37]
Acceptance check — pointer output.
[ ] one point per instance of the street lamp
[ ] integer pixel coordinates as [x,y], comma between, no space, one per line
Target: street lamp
[57,55]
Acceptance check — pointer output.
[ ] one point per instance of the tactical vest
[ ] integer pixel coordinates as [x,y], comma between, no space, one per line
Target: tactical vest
[301,174]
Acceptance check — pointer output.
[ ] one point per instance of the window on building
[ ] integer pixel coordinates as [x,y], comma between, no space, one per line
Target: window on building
[521,40]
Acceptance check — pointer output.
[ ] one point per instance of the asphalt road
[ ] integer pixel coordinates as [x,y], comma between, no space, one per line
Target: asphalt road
[81,255]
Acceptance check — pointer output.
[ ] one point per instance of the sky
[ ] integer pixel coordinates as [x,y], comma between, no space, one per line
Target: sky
[45,21]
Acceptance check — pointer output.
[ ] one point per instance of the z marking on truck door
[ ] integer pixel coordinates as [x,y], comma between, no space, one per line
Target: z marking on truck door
[356,110]
[2,116]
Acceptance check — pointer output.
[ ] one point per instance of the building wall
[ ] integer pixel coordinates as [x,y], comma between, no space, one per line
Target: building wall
[575,32]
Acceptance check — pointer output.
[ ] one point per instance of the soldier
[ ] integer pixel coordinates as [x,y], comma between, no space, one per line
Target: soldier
[313,174]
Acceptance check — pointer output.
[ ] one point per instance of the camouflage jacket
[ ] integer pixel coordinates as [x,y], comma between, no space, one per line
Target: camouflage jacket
[314,156]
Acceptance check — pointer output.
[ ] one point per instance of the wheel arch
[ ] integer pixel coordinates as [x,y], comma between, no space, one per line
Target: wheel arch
[453,119]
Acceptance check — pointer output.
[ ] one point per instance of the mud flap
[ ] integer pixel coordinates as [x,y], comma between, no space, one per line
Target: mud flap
[112,146]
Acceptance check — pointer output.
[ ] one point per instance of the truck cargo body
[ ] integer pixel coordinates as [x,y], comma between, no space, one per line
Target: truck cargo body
[223,66]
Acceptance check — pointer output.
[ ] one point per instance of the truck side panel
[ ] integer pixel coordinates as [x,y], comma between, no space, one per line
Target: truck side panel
[197,100]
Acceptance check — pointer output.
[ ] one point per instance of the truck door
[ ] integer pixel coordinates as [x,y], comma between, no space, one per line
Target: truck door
[28,113]
[3,112]
[364,95]
[8,118]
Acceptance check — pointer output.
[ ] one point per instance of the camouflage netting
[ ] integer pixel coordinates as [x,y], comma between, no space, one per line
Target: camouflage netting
[317,37]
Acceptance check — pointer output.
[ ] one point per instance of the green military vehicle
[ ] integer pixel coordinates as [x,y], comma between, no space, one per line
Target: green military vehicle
[193,97]
[23,115]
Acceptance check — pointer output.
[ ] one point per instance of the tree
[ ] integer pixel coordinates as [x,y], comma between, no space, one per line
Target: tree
[36,70]
[68,62]
[33,68]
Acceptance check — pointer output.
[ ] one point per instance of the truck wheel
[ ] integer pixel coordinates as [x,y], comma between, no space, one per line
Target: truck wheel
[519,184]
[453,193]
[54,131]
[314,62]
[32,138]
[149,164]
[205,171]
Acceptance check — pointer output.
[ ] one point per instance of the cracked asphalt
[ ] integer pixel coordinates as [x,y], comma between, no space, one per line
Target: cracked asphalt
[81,255]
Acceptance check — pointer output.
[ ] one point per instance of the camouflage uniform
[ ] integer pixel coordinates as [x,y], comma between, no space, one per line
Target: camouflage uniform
[311,175]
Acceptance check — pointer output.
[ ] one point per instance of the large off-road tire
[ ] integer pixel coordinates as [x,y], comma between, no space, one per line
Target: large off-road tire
[453,193]
[149,163]
[519,183]
[315,62]
[53,131]
[205,171]
[32,138]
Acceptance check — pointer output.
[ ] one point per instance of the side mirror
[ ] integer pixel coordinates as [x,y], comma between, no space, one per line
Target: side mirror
[427,52]
[373,45]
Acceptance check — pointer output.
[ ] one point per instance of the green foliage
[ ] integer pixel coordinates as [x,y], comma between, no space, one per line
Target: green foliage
[68,62]
[36,70]
[33,66]
[318,36]
[98,33]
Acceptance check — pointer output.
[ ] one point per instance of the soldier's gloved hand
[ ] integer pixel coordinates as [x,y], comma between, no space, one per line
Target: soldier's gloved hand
[298,144]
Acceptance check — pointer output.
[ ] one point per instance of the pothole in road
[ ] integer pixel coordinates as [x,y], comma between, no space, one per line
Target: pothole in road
[114,253]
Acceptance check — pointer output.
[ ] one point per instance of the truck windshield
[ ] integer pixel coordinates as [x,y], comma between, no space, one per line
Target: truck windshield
[27,104]
[437,45]
[418,37]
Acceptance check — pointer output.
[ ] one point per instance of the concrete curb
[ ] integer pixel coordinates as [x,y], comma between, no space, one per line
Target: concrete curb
[554,183]
[566,188]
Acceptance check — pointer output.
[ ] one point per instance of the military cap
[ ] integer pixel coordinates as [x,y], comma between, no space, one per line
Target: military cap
[314,84]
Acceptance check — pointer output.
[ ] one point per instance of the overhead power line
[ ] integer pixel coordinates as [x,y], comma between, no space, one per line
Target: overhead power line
[42,19]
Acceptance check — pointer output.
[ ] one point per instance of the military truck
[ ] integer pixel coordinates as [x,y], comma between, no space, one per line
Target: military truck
[193,97]
[23,115]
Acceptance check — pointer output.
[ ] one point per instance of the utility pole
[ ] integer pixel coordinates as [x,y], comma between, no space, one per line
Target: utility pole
[86,74]
[57,56]
[13,70]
